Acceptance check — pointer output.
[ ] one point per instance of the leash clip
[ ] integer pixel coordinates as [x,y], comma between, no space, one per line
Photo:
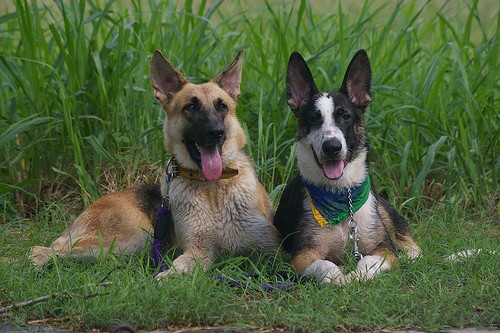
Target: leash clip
[170,174]
[353,235]
[170,170]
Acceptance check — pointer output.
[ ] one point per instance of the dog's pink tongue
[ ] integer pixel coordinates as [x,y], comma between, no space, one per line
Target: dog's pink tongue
[333,169]
[211,162]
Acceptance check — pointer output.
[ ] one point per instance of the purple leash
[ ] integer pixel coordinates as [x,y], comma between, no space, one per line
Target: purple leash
[163,219]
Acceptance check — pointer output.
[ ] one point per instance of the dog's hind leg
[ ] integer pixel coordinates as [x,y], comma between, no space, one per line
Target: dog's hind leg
[398,228]
[406,244]
[40,255]
[115,223]
[88,246]
[66,246]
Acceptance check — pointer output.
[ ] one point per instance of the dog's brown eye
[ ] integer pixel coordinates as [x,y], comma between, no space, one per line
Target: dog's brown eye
[191,106]
[316,117]
[221,106]
[344,114]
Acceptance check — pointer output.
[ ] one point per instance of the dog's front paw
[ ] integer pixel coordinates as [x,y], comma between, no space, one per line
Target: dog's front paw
[163,275]
[179,267]
[184,264]
[369,267]
[326,272]
[336,278]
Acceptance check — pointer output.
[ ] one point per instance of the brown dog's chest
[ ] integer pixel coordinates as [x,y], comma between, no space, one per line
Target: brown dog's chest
[215,212]
[202,196]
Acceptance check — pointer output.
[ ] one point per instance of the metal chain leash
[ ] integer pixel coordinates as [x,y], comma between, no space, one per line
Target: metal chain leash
[353,228]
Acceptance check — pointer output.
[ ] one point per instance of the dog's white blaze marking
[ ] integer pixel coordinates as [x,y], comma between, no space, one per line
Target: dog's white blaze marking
[329,129]
[326,106]
[326,271]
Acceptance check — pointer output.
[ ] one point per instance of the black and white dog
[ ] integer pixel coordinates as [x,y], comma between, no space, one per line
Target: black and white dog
[331,203]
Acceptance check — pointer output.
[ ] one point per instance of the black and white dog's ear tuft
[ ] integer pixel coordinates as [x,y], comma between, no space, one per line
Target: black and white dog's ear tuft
[357,80]
[300,86]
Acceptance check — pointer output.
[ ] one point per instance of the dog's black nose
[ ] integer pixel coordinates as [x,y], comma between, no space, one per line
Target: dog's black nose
[331,147]
[215,134]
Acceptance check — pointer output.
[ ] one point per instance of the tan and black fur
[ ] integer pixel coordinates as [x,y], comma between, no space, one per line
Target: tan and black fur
[210,214]
[332,156]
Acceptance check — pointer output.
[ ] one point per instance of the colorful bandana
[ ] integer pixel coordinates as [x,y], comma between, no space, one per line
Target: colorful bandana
[333,207]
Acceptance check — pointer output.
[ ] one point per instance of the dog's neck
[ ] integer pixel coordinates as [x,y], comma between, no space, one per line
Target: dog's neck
[196,174]
[332,207]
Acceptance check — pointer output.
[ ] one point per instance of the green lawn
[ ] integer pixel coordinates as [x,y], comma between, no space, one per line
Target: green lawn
[77,120]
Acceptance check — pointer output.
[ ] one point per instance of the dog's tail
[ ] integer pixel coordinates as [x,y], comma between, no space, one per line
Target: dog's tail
[467,254]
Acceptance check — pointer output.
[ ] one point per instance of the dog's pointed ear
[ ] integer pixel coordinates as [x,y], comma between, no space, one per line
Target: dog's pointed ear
[229,79]
[165,79]
[357,80]
[300,86]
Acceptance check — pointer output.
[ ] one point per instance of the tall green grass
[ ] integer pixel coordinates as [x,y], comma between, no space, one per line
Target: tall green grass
[76,94]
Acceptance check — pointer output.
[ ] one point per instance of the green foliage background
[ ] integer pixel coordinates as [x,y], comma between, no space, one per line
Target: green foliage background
[77,119]
[76,94]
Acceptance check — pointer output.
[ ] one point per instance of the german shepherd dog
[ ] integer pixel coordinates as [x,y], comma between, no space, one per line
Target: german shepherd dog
[314,213]
[216,200]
